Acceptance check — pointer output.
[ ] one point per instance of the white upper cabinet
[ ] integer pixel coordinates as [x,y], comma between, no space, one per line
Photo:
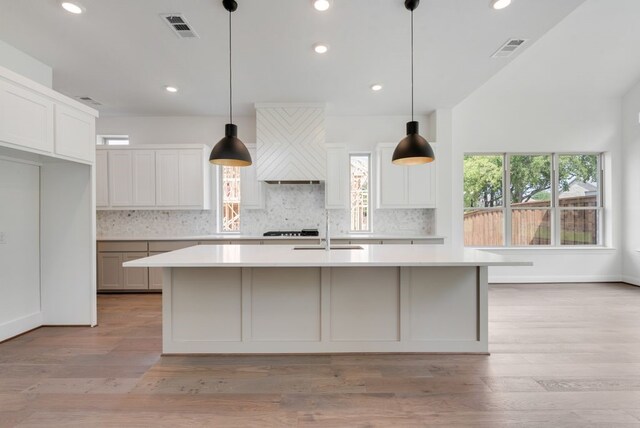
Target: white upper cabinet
[38,119]
[404,186]
[156,178]
[290,142]
[75,133]
[191,179]
[251,190]
[26,118]
[143,177]
[168,178]
[102,179]
[120,170]
[336,188]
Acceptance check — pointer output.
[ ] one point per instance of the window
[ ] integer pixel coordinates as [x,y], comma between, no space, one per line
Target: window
[552,199]
[229,212]
[113,140]
[359,192]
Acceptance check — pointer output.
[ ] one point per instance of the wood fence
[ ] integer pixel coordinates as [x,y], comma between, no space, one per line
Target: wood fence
[531,224]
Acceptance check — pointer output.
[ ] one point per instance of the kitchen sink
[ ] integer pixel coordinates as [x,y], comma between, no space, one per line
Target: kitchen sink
[333,247]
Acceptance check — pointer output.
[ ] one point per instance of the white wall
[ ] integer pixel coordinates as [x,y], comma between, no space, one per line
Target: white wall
[23,64]
[630,185]
[550,99]
[67,239]
[20,248]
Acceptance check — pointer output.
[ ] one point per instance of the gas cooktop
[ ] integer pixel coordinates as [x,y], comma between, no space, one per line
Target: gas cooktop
[303,232]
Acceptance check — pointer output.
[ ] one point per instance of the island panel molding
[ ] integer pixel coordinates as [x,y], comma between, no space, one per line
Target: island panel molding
[399,298]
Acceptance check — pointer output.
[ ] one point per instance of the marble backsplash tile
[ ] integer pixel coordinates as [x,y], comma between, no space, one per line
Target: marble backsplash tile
[288,207]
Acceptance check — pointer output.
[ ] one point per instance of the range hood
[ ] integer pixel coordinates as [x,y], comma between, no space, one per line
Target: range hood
[290,143]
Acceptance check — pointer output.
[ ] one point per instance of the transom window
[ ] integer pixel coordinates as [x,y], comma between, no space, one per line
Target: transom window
[522,200]
[359,192]
[113,140]
[229,217]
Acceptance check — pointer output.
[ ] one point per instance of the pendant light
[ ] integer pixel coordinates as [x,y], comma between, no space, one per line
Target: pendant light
[230,151]
[413,149]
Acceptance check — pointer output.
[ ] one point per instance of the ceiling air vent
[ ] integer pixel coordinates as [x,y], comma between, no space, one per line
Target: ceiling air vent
[509,48]
[179,25]
[88,100]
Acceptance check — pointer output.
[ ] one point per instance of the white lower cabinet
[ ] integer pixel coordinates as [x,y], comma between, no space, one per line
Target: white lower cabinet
[404,186]
[156,178]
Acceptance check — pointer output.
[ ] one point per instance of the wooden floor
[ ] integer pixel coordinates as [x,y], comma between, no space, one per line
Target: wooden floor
[562,356]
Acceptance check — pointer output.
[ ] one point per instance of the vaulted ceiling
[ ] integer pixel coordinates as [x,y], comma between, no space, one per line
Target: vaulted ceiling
[122,54]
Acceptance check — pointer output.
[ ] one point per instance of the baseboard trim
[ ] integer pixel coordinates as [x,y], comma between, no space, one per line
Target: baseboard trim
[631,280]
[497,279]
[19,326]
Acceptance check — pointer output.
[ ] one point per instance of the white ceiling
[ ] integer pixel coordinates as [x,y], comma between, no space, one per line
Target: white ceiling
[122,54]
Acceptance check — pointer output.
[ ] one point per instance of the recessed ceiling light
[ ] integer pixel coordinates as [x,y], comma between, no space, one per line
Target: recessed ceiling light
[376,87]
[321,5]
[320,48]
[171,88]
[500,4]
[70,7]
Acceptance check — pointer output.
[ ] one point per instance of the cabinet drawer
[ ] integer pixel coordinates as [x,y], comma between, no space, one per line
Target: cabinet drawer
[170,245]
[122,246]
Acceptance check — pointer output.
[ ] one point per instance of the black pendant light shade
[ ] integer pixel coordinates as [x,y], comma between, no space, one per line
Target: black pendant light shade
[413,149]
[230,151]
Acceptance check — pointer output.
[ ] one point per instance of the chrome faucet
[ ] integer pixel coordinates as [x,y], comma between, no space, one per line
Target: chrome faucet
[327,233]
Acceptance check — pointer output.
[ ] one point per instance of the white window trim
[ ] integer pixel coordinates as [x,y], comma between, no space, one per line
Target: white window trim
[369,155]
[554,206]
[219,208]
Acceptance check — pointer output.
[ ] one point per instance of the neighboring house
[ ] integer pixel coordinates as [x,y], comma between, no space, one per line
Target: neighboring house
[579,188]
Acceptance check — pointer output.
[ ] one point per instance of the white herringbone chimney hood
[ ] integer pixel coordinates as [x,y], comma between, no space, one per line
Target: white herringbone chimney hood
[290,142]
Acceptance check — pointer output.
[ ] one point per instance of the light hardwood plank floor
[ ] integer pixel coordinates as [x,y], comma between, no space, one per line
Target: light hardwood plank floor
[563,355]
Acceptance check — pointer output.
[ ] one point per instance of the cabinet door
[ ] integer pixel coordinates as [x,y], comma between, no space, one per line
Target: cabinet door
[167,178]
[336,189]
[135,278]
[75,133]
[191,178]
[251,190]
[120,188]
[421,186]
[155,276]
[110,271]
[26,118]
[144,177]
[392,180]
[102,178]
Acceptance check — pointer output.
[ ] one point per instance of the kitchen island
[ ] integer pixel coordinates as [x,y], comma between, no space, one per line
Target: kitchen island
[285,299]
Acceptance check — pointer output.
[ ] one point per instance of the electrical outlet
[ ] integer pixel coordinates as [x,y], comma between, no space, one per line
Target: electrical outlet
[3,238]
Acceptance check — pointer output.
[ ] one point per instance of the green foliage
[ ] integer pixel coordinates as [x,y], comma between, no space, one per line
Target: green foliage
[482,181]
[530,177]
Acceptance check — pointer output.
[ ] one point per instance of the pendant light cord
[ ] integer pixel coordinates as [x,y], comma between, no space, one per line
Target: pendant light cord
[230,78]
[412,65]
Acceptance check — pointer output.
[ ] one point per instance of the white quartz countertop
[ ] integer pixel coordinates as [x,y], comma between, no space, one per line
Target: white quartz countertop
[234,237]
[286,256]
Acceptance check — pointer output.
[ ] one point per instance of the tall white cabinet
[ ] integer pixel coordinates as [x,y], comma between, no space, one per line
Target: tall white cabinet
[55,136]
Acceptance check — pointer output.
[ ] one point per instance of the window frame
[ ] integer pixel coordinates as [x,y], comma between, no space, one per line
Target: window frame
[369,157]
[220,203]
[101,140]
[554,205]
